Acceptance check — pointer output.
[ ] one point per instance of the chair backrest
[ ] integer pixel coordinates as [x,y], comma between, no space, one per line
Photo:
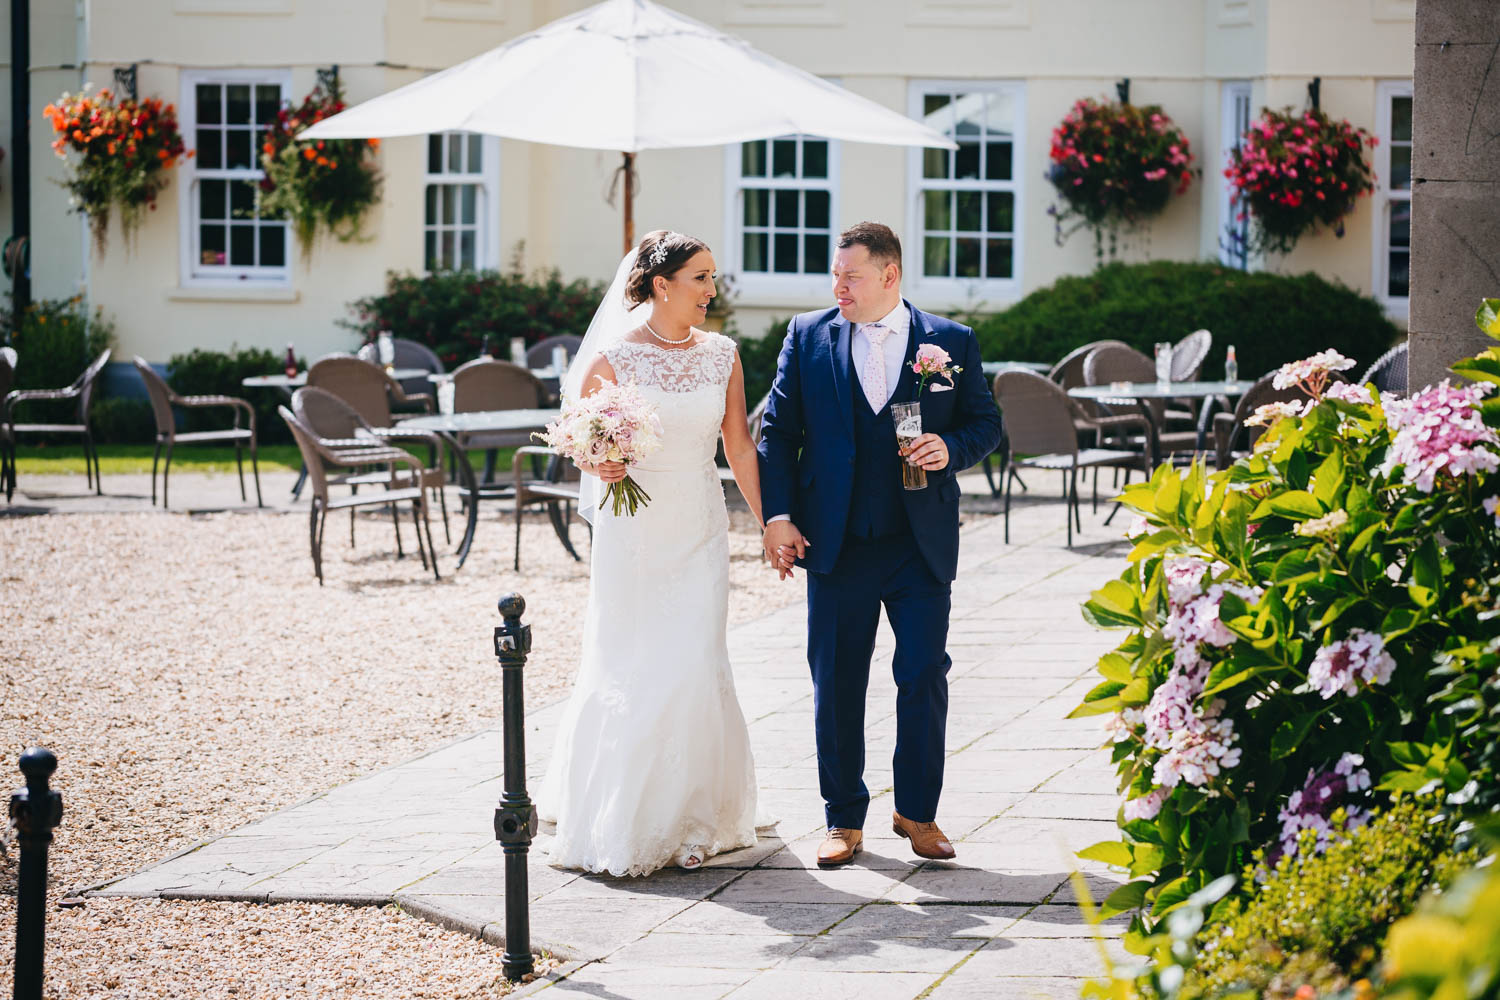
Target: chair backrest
[539,355]
[85,384]
[325,415]
[361,384]
[312,459]
[1188,355]
[1038,420]
[757,418]
[1120,363]
[487,384]
[1389,372]
[160,395]
[408,354]
[7,370]
[1068,373]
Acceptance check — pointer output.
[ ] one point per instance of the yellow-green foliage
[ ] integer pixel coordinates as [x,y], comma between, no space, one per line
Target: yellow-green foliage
[1450,948]
[1319,919]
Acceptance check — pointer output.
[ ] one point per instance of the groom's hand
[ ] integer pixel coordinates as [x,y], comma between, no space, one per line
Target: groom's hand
[929,452]
[783,542]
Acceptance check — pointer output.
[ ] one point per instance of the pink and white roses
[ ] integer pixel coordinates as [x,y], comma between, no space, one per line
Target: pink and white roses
[934,362]
[615,424]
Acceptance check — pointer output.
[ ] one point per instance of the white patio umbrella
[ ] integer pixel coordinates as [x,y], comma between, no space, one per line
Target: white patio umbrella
[627,75]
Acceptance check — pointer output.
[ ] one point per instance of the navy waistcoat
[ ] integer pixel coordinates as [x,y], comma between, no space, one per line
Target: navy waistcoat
[876,509]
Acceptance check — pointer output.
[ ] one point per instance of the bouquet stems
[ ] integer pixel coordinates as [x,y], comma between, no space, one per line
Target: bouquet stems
[627,495]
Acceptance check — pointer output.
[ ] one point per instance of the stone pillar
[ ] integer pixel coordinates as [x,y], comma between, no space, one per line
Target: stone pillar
[1455,237]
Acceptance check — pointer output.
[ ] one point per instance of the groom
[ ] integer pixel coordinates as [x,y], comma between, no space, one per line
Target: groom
[833,499]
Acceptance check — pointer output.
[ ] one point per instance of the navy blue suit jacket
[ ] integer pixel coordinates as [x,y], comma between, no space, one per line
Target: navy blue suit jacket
[807,438]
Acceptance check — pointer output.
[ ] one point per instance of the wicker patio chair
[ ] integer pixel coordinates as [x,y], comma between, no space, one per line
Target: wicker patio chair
[1389,372]
[1231,437]
[408,354]
[487,384]
[1040,435]
[319,455]
[1125,364]
[1188,355]
[557,486]
[539,355]
[7,381]
[163,399]
[1088,417]
[82,390]
[365,386]
[340,428]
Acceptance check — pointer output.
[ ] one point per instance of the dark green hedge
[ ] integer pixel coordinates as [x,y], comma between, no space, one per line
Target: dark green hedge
[453,311]
[219,373]
[1269,318]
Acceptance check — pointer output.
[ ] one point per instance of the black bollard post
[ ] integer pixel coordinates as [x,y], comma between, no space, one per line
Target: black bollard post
[35,810]
[515,819]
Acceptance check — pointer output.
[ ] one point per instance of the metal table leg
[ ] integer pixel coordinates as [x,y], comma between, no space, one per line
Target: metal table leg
[469,487]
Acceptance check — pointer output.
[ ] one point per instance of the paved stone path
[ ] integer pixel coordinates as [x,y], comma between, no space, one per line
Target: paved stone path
[1024,788]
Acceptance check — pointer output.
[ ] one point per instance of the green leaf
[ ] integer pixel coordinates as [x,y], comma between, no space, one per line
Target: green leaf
[1130,896]
[1363,539]
[1115,667]
[1172,895]
[1298,505]
[1399,621]
[1427,565]
[1328,481]
[1487,317]
[1089,708]
[1143,831]
[1483,368]
[1113,605]
[1168,496]
[1153,543]
[1147,859]
[1290,734]
[1111,852]
[1337,608]
[1422,597]
[1230,677]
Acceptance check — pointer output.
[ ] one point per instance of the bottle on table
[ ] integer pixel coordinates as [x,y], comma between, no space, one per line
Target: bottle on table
[487,347]
[291,361]
[1231,366]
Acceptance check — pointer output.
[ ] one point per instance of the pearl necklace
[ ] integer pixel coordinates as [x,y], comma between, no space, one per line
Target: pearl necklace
[664,340]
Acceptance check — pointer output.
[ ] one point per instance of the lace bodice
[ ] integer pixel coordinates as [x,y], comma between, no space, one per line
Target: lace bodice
[674,369]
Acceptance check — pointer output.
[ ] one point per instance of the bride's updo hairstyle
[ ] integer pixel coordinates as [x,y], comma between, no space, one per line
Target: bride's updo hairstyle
[661,253]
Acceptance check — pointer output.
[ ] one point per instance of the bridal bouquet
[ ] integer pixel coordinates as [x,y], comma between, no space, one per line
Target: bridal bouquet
[615,424]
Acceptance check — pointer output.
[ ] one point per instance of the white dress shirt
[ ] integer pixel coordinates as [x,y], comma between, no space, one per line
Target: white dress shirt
[898,321]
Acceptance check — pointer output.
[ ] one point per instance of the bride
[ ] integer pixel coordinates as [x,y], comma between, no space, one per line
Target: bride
[652,761]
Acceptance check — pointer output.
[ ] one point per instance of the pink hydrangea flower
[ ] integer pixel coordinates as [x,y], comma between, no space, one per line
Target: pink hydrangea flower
[1199,752]
[1310,807]
[1439,431]
[1268,414]
[1359,658]
[1348,392]
[1311,373]
[1122,725]
[1147,806]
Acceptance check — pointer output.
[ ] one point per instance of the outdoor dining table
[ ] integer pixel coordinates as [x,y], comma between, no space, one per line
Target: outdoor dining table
[449,426]
[1144,393]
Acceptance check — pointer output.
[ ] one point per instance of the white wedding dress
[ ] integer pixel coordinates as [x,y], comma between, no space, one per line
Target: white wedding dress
[652,758]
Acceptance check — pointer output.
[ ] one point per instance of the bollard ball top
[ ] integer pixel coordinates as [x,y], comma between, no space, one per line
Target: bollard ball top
[512,606]
[38,764]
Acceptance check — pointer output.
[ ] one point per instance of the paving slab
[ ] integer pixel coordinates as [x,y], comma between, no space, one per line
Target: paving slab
[1024,788]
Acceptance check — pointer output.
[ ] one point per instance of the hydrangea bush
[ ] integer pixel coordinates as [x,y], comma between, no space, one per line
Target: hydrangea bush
[1310,632]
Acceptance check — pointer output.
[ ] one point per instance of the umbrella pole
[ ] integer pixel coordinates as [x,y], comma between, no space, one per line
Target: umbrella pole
[629,201]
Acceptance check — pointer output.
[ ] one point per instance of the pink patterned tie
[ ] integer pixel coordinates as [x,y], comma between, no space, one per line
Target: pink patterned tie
[873,378]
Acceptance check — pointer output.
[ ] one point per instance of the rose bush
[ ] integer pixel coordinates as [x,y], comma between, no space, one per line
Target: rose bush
[1310,631]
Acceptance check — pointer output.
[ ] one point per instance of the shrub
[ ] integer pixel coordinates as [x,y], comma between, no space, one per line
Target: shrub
[55,340]
[122,420]
[219,373]
[1270,318]
[454,311]
[1449,948]
[1319,919]
[758,357]
[1285,617]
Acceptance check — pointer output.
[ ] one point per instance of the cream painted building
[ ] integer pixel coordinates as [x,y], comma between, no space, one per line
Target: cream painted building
[975,224]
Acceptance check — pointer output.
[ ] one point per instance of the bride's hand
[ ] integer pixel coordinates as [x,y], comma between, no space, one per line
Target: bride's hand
[610,472]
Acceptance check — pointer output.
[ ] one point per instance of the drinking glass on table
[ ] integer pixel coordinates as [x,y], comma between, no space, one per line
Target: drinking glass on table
[1164,362]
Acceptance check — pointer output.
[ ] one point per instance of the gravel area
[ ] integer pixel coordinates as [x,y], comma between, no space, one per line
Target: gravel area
[191,675]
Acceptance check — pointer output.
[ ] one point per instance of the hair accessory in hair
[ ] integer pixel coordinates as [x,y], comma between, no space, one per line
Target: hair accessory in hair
[659,252]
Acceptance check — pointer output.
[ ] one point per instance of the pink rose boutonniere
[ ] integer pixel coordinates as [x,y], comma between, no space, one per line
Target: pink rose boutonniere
[934,362]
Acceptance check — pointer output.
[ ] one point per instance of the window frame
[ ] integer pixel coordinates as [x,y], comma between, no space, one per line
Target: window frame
[759,286]
[1230,93]
[487,216]
[189,231]
[957,292]
[1384,196]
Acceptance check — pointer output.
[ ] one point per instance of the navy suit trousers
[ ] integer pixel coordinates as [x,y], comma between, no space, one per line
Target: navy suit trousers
[843,612]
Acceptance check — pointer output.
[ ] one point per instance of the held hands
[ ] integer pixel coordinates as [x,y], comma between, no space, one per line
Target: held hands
[927,452]
[783,544]
[608,472]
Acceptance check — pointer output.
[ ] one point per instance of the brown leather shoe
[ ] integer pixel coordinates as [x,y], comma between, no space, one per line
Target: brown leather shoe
[927,841]
[839,847]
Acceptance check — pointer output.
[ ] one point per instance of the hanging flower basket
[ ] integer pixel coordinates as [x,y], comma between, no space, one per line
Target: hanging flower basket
[327,184]
[1295,172]
[1115,165]
[122,152]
